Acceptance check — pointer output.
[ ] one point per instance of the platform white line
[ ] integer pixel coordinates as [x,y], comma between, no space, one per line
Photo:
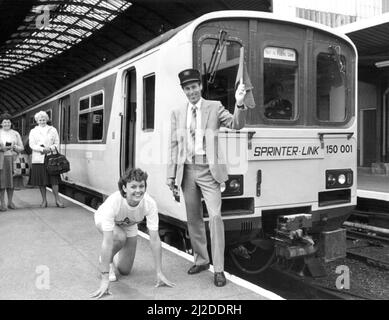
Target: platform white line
[234,279]
[376,195]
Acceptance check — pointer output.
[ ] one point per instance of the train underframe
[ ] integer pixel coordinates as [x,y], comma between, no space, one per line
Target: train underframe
[281,235]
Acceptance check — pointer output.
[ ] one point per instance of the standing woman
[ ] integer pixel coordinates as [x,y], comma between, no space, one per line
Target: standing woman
[43,139]
[10,145]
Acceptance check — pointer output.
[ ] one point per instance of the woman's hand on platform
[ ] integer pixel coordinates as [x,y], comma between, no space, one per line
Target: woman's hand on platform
[163,281]
[103,290]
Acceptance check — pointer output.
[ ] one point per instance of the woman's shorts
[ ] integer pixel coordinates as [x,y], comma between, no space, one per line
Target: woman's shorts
[131,231]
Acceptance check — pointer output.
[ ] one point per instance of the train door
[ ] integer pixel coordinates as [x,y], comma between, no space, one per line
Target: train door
[128,121]
[368,134]
[64,106]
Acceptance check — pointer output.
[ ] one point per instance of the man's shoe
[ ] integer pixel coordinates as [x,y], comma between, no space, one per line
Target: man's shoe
[220,279]
[198,268]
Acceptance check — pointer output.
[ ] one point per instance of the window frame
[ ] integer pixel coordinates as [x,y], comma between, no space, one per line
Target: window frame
[213,36]
[89,110]
[299,107]
[322,47]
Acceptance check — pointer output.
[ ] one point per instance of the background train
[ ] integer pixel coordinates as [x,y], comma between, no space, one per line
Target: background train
[292,172]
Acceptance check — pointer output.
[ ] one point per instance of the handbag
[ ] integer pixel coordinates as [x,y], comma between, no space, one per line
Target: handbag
[21,166]
[56,163]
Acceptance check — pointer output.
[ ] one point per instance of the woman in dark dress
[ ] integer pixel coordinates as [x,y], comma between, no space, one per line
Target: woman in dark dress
[43,139]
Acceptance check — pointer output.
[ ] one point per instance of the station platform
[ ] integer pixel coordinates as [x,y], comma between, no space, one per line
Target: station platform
[52,254]
[372,186]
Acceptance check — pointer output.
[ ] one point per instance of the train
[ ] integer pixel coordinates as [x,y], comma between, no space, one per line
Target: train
[292,168]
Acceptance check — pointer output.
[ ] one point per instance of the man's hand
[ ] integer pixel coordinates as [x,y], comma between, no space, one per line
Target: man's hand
[240,94]
[163,281]
[104,288]
[170,183]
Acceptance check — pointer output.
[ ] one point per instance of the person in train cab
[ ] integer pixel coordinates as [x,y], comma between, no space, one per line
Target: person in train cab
[43,139]
[277,107]
[195,164]
[10,145]
[117,220]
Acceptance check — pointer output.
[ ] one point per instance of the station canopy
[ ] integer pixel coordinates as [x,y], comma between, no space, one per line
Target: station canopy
[371,37]
[47,44]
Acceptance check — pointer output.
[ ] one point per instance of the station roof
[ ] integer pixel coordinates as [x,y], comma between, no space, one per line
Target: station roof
[371,37]
[47,44]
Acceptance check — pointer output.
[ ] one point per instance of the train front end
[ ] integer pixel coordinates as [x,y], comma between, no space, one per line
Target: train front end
[292,168]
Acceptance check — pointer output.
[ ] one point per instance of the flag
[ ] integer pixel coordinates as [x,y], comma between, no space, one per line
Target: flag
[243,76]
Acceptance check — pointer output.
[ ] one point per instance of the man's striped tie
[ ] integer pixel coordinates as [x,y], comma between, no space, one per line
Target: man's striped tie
[192,132]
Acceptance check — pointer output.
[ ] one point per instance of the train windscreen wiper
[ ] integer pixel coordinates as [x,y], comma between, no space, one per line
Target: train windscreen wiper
[216,56]
[335,51]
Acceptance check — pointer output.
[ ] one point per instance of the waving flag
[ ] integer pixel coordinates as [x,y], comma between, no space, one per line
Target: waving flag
[243,77]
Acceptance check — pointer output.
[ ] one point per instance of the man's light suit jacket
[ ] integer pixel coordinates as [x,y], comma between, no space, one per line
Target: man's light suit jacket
[213,116]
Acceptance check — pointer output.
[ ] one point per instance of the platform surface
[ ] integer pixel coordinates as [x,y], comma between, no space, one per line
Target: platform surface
[64,244]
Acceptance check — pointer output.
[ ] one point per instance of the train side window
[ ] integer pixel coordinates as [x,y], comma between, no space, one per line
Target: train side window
[84,103]
[97,100]
[219,73]
[91,117]
[16,125]
[49,113]
[148,102]
[331,87]
[280,83]
[31,123]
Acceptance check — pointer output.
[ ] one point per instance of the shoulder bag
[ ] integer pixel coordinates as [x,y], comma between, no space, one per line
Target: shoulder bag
[56,163]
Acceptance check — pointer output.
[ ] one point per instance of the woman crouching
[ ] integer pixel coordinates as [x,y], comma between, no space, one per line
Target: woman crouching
[117,219]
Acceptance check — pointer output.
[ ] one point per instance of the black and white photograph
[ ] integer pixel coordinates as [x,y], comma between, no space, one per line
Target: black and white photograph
[194,156]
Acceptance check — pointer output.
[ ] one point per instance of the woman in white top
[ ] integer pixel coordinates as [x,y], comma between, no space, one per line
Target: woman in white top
[117,219]
[10,145]
[43,139]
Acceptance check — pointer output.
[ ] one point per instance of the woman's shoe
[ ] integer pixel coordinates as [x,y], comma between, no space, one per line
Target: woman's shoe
[44,205]
[11,205]
[3,208]
[60,205]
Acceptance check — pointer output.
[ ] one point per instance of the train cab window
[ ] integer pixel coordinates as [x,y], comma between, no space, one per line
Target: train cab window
[280,83]
[220,62]
[148,102]
[331,87]
[91,117]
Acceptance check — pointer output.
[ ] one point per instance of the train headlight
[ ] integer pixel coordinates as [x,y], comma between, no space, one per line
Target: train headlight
[233,186]
[336,179]
[342,179]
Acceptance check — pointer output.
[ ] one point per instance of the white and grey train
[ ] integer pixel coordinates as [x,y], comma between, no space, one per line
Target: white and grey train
[292,175]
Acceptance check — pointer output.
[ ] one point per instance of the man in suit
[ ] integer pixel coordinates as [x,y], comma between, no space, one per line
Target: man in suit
[197,166]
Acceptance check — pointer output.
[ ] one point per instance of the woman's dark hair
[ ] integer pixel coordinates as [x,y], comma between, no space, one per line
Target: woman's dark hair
[131,174]
[5,116]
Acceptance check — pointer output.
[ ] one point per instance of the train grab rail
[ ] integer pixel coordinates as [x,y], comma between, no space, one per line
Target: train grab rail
[322,134]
